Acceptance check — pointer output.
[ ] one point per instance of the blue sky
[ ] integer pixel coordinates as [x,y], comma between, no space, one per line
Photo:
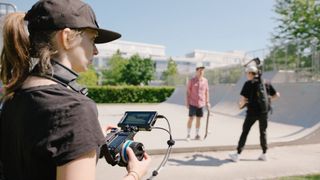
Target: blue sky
[185,25]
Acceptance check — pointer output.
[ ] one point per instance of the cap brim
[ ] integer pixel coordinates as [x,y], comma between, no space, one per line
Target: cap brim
[105,36]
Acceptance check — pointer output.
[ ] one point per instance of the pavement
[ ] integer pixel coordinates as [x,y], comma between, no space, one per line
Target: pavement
[215,165]
[293,136]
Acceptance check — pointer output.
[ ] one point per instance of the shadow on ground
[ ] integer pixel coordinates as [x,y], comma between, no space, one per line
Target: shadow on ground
[198,160]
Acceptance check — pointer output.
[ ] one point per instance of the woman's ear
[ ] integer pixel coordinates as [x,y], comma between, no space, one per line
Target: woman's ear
[64,37]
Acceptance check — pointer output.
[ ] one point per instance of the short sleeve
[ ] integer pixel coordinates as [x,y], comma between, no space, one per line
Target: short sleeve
[75,131]
[271,90]
[245,90]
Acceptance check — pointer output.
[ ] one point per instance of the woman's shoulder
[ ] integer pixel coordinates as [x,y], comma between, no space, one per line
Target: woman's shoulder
[54,94]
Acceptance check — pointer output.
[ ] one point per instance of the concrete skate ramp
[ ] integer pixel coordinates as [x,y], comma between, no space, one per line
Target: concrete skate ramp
[178,96]
[295,119]
[299,104]
[216,93]
[285,77]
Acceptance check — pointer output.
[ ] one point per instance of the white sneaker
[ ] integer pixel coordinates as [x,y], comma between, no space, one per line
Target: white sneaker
[188,137]
[234,157]
[263,157]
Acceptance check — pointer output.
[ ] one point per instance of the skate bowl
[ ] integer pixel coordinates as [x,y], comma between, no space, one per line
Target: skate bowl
[294,120]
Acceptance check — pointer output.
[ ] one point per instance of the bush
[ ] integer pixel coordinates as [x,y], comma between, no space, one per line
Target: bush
[88,78]
[129,94]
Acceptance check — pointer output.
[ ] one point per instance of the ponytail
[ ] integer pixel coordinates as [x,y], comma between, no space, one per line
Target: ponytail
[23,51]
[14,60]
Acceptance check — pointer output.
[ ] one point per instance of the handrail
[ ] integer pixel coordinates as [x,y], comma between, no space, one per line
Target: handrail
[7,6]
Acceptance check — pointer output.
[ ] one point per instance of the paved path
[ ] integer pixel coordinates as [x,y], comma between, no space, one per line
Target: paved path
[282,161]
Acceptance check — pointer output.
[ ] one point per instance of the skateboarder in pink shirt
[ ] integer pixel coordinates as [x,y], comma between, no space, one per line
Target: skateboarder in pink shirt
[197,98]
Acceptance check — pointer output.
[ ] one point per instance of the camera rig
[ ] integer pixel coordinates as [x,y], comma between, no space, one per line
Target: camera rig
[264,100]
[258,64]
[118,140]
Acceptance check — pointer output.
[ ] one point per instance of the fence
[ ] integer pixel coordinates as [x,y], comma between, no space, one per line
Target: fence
[6,8]
[298,59]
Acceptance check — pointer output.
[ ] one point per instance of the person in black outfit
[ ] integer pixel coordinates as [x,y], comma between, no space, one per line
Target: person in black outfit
[49,129]
[249,98]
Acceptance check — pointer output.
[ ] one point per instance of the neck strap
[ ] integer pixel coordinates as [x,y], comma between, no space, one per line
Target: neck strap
[64,76]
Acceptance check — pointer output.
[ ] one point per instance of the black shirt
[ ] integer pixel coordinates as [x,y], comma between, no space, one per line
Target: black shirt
[250,91]
[45,127]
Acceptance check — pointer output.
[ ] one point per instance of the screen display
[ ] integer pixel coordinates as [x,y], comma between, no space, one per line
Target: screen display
[118,140]
[138,117]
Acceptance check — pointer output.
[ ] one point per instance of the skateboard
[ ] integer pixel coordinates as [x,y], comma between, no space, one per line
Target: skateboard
[207,123]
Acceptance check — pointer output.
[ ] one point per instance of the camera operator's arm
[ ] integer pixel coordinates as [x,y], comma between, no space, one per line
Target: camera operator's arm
[242,102]
[272,92]
[136,169]
[82,168]
[275,97]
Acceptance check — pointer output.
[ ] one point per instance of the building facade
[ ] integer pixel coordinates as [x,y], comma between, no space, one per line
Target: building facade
[185,64]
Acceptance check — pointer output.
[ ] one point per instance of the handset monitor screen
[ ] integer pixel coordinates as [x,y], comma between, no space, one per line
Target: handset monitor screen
[144,120]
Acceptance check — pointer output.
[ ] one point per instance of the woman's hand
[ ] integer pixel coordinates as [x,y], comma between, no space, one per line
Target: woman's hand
[107,128]
[136,168]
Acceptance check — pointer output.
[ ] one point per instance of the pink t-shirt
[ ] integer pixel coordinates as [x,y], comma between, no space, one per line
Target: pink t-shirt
[196,92]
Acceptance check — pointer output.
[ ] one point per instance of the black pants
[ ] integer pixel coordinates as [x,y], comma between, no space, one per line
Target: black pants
[248,122]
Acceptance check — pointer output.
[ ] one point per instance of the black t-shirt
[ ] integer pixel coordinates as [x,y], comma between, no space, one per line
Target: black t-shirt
[250,91]
[45,127]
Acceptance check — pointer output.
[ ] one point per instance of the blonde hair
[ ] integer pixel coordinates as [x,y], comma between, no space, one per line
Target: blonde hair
[23,51]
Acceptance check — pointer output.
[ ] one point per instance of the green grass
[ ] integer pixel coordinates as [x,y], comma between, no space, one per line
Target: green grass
[306,177]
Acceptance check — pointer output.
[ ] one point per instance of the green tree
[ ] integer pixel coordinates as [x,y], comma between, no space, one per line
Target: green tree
[285,57]
[169,76]
[138,71]
[112,75]
[298,21]
[234,74]
[224,75]
[88,78]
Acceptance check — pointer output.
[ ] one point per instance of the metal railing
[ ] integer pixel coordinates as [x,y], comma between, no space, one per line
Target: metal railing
[302,63]
[6,8]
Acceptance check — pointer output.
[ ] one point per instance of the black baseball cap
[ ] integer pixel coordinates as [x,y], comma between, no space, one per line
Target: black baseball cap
[60,14]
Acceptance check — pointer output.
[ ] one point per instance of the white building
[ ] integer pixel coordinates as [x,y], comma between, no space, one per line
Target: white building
[185,64]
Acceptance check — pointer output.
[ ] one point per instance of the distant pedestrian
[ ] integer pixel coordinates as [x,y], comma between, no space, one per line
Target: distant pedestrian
[197,98]
[250,97]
